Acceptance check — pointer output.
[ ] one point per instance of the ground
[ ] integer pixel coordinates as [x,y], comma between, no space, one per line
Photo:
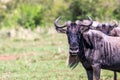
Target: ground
[8,57]
[40,59]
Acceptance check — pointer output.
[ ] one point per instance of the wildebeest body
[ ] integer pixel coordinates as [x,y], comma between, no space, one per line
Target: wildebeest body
[93,47]
[105,50]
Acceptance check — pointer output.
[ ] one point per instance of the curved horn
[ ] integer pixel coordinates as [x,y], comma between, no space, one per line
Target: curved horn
[116,23]
[78,22]
[58,27]
[91,21]
[56,23]
[89,18]
[86,23]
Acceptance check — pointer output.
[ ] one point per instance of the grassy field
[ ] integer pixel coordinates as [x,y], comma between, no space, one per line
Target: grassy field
[40,59]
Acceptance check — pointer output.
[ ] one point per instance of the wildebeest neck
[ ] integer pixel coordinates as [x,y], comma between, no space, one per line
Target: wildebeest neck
[82,45]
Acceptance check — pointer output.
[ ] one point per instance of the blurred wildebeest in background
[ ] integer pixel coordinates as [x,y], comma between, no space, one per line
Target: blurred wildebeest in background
[110,29]
[106,27]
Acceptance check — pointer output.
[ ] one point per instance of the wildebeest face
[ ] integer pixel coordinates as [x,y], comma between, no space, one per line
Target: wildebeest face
[72,32]
[106,27]
[73,38]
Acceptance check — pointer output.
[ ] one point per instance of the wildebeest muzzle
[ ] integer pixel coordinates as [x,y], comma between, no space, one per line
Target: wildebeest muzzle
[74,49]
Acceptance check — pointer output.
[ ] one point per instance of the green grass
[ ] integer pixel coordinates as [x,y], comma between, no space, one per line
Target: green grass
[41,59]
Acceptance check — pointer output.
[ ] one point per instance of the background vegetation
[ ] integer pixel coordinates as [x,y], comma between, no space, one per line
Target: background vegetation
[33,13]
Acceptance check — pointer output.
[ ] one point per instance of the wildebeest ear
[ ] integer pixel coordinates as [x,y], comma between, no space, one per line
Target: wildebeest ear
[68,23]
[78,22]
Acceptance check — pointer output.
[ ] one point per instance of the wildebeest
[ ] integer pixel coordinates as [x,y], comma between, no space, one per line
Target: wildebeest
[105,27]
[103,51]
[88,51]
[111,30]
[75,41]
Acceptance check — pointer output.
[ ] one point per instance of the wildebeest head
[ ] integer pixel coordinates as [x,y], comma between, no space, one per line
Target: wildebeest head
[72,31]
[85,24]
[106,27]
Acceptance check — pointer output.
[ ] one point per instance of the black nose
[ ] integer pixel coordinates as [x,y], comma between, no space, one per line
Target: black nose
[74,44]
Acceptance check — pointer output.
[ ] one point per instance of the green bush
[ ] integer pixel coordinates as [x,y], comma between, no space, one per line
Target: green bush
[98,9]
[116,13]
[25,15]
[32,13]
[30,16]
